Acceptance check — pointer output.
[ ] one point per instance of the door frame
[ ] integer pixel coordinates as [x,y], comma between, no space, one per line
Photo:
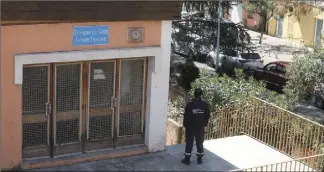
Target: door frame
[73,147]
[315,31]
[42,150]
[139,138]
[87,142]
[54,149]
[279,21]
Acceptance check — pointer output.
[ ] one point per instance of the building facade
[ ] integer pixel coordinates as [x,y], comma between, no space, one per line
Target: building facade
[304,30]
[78,77]
[252,20]
[236,13]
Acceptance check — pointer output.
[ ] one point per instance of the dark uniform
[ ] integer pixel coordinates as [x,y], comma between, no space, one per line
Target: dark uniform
[195,119]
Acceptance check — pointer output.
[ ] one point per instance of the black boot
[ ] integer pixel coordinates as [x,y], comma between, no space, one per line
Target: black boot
[199,158]
[186,160]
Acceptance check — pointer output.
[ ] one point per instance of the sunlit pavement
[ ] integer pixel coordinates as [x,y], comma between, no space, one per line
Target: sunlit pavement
[220,155]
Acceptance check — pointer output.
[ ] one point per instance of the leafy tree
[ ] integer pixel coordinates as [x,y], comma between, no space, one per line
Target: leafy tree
[222,90]
[200,27]
[272,8]
[189,72]
[305,74]
[265,8]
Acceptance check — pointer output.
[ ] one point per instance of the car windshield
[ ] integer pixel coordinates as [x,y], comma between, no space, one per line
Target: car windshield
[250,56]
[231,53]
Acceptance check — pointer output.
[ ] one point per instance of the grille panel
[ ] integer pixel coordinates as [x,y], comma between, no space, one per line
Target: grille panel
[130,123]
[102,85]
[131,97]
[68,90]
[34,98]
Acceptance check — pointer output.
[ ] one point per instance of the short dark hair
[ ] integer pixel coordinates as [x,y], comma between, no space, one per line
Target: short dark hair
[198,93]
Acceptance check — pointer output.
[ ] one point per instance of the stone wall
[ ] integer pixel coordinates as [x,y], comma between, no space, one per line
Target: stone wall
[175,133]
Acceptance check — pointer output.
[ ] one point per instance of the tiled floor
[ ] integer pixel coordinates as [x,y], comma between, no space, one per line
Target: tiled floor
[220,155]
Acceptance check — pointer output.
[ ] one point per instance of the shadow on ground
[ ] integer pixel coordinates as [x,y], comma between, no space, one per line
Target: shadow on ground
[168,160]
[310,112]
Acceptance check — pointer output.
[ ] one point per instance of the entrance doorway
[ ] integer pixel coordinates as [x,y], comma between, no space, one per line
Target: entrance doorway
[279,26]
[318,32]
[80,107]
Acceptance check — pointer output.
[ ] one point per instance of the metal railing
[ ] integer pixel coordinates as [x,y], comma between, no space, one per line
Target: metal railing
[310,163]
[283,130]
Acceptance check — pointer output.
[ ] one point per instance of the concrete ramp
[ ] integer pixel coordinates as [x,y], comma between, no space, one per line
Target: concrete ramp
[220,155]
[246,152]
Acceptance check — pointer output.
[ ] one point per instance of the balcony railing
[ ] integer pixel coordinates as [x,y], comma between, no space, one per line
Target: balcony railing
[300,164]
[285,131]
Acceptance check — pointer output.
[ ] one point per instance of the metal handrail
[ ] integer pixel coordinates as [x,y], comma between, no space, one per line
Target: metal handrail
[285,131]
[301,164]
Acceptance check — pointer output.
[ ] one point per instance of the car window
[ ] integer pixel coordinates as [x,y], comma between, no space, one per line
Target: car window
[230,53]
[272,67]
[281,69]
[250,56]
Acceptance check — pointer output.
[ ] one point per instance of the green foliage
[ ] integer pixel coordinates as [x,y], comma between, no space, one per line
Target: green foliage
[304,74]
[219,91]
[261,7]
[188,73]
[200,28]
[176,109]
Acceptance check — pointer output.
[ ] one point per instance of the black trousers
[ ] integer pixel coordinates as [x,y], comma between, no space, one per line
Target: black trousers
[197,133]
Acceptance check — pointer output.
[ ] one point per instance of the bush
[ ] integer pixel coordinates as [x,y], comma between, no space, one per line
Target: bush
[176,109]
[222,90]
[304,74]
[188,73]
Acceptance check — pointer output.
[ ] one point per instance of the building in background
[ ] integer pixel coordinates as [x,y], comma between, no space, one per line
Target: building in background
[236,13]
[78,77]
[303,30]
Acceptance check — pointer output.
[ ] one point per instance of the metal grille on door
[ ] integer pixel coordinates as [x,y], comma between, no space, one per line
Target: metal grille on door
[101,91]
[35,96]
[58,111]
[67,103]
[131,97]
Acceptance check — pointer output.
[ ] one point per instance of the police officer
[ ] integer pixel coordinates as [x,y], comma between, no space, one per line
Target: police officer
[195,120]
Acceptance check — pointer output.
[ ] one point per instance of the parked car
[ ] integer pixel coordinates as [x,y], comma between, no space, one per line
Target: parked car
[240,60]
[273,74]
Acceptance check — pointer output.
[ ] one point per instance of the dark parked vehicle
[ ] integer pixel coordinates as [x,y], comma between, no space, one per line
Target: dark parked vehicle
[273,74]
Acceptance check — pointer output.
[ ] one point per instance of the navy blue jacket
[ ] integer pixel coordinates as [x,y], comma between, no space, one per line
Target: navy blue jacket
[197,114]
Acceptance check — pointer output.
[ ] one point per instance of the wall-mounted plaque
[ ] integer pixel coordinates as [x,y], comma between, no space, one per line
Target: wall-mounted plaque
[90,35]
[135,34]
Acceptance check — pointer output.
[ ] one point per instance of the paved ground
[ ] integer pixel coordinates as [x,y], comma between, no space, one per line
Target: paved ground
[220,155]
[273,48]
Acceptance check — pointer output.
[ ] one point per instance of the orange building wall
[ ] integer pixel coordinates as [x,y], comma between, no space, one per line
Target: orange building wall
[22,39]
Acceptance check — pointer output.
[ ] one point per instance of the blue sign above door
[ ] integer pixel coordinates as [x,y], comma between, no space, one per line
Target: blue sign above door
[90,35]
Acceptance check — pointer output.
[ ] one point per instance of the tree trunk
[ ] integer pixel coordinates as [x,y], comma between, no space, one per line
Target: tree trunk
[186,97]
[261,37]
[263,29]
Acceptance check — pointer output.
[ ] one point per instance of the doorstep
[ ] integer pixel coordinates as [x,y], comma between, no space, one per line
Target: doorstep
[48,162]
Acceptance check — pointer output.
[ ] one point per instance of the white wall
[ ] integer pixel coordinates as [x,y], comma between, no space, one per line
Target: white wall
[158,92]
[236,13]
[158,78]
